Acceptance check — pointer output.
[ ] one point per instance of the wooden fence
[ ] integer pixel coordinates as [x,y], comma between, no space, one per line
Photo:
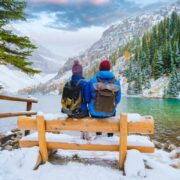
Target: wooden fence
[123,127]
[28,111]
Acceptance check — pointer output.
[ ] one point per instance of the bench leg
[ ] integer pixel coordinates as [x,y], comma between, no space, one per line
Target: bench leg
[123,140]
[39,161]
[42,138]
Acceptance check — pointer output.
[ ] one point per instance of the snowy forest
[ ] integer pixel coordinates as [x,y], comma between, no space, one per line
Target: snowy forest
[156,54]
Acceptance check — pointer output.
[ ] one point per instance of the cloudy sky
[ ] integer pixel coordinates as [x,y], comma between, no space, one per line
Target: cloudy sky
[67,27]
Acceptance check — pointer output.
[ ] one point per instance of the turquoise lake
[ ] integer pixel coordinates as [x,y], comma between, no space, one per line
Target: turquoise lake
[166,113]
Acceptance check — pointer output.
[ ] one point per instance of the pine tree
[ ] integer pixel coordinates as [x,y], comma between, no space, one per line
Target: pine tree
[138,83]
[177,55]
[130,72]
[14,49]
[157,65]
[173,22]
[173,83]
[178,81]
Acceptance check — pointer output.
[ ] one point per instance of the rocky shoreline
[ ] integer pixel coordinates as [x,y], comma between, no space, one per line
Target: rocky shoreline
[10,141]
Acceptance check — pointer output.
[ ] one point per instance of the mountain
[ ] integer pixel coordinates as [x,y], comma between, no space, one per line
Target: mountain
[45,60]
[12,79]
[111,43]
[42,58]
[119,34]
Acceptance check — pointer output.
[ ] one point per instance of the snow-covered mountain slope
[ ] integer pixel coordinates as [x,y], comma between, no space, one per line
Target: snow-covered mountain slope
[45,60]
[12,79]
[42,58]
[49,63]
[119,34]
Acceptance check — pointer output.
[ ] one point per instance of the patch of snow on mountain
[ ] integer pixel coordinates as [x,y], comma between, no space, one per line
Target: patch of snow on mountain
[13,80]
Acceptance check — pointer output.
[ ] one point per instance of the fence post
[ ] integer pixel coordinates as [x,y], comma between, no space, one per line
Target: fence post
[28,108]
[123,139]
[42,138]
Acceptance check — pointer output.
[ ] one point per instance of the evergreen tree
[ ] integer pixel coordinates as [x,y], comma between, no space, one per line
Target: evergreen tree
[138,83]
[177,55]
[157,65]
[173,83]
[14,49]
[178,81]
[130,72]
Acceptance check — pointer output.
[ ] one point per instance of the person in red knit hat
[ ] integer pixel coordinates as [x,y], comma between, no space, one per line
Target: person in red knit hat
[105,93]
[104,65]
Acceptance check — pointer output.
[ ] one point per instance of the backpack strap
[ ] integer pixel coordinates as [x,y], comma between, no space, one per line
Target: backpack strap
[102,81]
[69,83]
[112,81]
[77,84]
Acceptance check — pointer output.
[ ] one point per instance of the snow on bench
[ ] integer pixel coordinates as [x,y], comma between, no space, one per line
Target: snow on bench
[132,140]
[132,117]
[124,125]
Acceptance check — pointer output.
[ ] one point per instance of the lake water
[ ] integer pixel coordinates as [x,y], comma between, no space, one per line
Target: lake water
[166,113]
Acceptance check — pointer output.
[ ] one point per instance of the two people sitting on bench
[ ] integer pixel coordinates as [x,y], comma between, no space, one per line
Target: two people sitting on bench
[100,95]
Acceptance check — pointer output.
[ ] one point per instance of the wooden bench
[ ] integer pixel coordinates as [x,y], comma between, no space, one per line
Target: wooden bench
[124,127]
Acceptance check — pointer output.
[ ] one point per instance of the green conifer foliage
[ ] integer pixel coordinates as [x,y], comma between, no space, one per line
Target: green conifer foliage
[156,54]
[173,88]
[14,49]
[157,65]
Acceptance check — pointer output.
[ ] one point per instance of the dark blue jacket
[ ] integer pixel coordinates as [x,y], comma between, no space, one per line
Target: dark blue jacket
[106,76]
[84,85]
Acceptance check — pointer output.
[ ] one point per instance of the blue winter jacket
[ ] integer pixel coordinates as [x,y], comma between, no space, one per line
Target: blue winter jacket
[106,76]
[84,85]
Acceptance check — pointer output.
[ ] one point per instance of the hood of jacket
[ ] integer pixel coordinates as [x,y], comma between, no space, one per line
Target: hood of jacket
[105,75]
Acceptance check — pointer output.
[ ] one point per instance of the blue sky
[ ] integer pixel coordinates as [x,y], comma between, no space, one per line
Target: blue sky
[67,27]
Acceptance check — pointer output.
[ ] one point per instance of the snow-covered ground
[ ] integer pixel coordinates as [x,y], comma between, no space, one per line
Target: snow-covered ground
[80,165]
[18,165]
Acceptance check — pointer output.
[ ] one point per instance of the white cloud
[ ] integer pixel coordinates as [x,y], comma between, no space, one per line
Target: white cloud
[62,42]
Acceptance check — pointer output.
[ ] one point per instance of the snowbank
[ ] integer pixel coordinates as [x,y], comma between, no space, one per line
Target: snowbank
[18,164]
[134,165]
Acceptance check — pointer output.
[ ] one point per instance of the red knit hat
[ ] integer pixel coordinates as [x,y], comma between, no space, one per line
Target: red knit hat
[104,65]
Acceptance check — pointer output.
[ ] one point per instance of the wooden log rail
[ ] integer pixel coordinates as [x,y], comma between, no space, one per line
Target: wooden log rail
[28,111]
[12,98]
[13,114]
[123,127]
